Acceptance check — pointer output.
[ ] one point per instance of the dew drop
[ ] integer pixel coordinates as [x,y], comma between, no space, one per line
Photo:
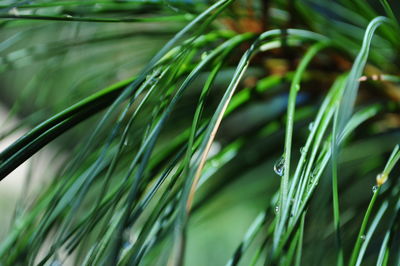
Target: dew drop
[276,209]
[311,126]
[126,142]
[362,237]
[127,244]
[374,189]
[314,173]
[279,167]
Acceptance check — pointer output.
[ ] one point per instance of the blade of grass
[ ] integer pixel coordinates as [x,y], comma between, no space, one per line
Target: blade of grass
[381,179]
[343,113]
[371,230]
[294,88]
[249,237]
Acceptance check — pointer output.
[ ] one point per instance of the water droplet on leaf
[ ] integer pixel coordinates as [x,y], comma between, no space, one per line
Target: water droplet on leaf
[279,167]
[374,189]
[311,126]
[276,209]
[127,244]
[362,237]
[204,55]
[314,173]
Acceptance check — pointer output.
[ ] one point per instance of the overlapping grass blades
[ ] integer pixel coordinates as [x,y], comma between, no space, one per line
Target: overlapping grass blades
[214,103]
[342,115]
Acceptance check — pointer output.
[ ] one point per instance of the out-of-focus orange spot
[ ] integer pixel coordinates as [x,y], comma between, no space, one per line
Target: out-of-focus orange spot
[250,82]
[276,66]
[250,25]
[389,121]
[341,62]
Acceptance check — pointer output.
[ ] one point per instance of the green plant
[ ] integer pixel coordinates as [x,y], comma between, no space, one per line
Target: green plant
[212,95]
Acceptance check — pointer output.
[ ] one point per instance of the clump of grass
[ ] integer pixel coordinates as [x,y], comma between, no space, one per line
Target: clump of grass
[190,123]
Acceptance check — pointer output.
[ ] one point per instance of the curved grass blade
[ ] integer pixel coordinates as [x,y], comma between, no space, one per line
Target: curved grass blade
[343,113]
[294,88]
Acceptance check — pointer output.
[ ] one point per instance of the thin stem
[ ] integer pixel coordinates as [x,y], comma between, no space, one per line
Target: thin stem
[361,233]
